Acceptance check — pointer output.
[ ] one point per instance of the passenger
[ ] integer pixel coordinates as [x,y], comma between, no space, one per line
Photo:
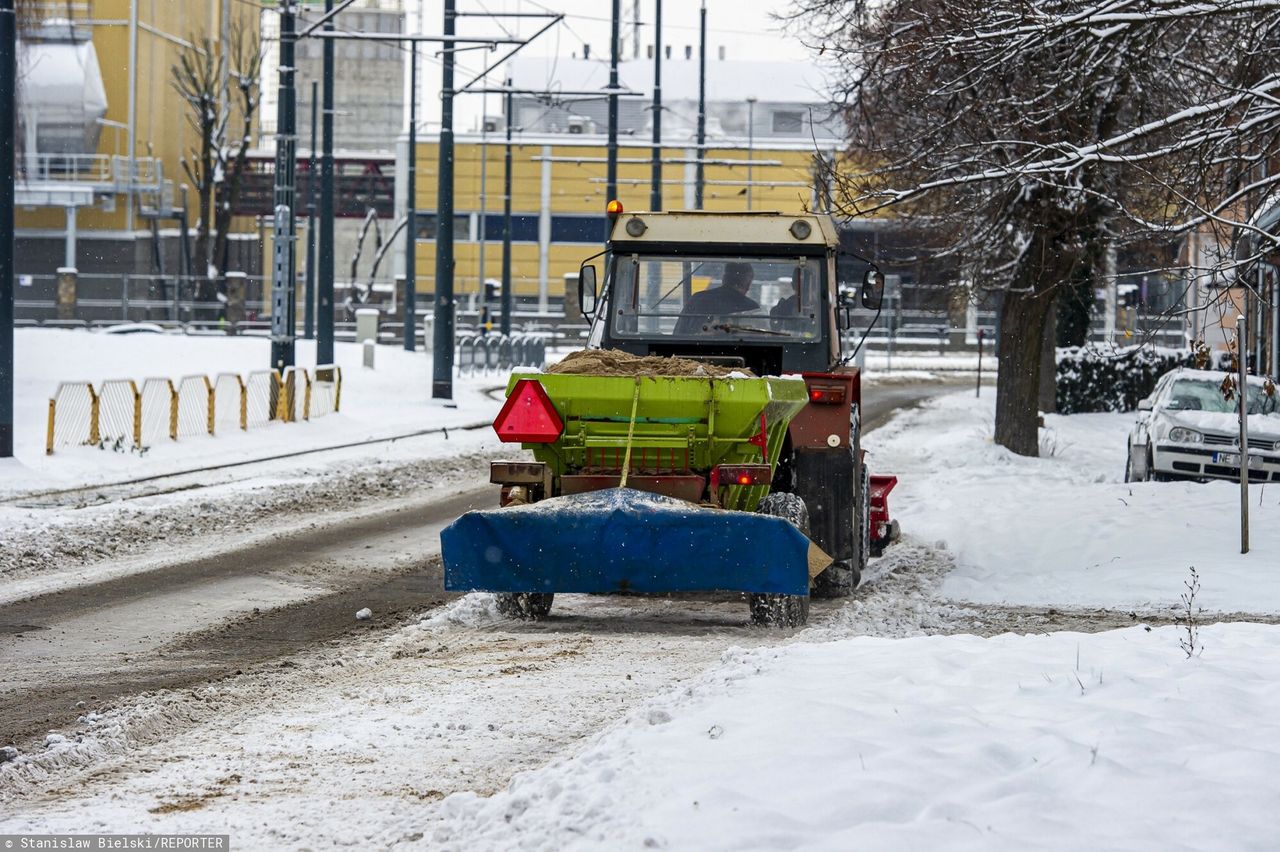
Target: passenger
[788,306]
[729,298]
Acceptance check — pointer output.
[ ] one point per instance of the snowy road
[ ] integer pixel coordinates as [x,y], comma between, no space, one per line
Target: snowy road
[237,603]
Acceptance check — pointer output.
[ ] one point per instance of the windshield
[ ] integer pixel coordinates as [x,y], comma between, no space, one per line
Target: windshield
[1202,395]
[764,298]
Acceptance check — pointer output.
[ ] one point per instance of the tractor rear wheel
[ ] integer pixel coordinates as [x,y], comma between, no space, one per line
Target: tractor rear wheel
[782,610]
[842,576]
[529,606]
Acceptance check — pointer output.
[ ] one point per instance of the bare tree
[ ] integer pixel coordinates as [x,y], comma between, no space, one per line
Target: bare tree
[215,165]
[1028,132]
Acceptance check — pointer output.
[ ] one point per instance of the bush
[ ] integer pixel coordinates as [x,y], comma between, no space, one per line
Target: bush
[1091,379]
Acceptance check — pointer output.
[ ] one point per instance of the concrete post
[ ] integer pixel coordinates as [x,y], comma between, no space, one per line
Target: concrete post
[400,305]
[67,277]
[571,308]
[367,324]
[236,289]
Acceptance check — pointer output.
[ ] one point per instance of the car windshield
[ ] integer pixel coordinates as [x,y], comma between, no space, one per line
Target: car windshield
[1204,395]
[759,298]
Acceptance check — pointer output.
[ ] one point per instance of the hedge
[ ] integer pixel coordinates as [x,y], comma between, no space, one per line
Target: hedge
[1092,379]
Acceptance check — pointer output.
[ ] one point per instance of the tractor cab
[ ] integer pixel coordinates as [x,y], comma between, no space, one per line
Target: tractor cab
[756,290]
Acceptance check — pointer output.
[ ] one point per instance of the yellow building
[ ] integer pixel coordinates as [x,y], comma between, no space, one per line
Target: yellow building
[558,200]
[99,179]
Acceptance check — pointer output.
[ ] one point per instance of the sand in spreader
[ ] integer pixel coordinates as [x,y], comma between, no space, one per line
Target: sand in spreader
[611,362]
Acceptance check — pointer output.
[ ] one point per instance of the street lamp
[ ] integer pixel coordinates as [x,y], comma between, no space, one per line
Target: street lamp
[751,138]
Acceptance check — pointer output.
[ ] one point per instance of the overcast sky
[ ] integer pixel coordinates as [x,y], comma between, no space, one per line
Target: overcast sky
[743,27]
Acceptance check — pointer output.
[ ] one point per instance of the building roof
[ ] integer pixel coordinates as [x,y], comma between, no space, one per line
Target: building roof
[732,80]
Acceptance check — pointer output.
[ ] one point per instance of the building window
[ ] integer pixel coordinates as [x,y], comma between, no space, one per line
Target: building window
[788,122]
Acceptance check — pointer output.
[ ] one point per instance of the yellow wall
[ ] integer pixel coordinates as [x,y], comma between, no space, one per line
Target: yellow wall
[162,127]
[579,187]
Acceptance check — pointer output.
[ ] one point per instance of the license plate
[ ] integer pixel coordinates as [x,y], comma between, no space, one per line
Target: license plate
[1233,460]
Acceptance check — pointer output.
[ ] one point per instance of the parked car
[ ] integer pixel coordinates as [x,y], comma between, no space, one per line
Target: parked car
[1188,429]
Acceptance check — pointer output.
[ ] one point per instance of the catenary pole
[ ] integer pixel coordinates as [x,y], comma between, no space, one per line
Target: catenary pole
[324,296]
[442,360]
[411,213]
[655,186]
[700,174]
[283,235]
[309,285]
[8,126]
[611,181]
[506,224]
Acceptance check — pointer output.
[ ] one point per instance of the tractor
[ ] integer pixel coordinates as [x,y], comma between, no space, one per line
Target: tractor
[707,439]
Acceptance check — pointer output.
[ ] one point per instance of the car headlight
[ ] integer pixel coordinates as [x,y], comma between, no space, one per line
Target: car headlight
[1185,436]
[1276,447]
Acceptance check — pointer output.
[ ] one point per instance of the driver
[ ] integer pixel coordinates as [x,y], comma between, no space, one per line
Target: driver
[729,298]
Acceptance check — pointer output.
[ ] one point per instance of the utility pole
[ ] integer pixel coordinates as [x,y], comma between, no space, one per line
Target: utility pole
[309,286]
[655,187]
[8,125]
[283,235]
[506,223]
[324,300]
[751,145]
[700,177]
[442,361]
[611,182]
[411,211]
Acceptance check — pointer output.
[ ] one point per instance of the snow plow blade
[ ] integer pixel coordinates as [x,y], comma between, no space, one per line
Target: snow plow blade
[623,540]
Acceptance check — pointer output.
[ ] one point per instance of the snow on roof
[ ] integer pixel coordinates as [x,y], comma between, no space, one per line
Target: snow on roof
[727,79]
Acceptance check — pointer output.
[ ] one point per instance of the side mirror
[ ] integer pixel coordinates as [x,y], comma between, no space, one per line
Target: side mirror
[1144,405]
[844,316]
[587,290]
[872,289]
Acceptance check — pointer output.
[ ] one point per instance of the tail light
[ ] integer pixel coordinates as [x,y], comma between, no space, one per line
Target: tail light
[528,415]
[827,393]
[741,474]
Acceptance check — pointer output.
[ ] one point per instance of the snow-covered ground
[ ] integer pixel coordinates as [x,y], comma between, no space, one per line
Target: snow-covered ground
[905,718]
[391,399]
[1065,529]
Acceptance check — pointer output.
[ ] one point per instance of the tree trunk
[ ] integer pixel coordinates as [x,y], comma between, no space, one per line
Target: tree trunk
[1022,324]
[1049,361]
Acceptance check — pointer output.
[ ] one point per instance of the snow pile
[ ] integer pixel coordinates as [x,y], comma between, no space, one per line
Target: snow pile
[1061,741]
[1064,529]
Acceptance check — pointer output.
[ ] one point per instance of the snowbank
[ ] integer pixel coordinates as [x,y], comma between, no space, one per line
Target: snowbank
[1065,529]
[1066,741]
[393,399]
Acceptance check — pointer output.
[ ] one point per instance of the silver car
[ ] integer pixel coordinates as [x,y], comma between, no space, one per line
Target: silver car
[1186,429]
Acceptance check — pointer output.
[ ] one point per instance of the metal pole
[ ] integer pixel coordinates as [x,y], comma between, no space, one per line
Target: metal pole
[611,184]
[8,125]
[977,391]
[751,144]
[655,191]
[282,283]
[506,226]
[699,175]
[324,295]
[411,212]
[309,285]
[442,361]
[1243,396]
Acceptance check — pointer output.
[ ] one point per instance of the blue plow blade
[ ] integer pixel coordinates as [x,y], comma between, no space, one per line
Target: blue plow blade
[622,540]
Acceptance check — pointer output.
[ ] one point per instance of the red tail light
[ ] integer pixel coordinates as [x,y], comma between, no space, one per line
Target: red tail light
[528,416]
[827,393]
[742,474]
